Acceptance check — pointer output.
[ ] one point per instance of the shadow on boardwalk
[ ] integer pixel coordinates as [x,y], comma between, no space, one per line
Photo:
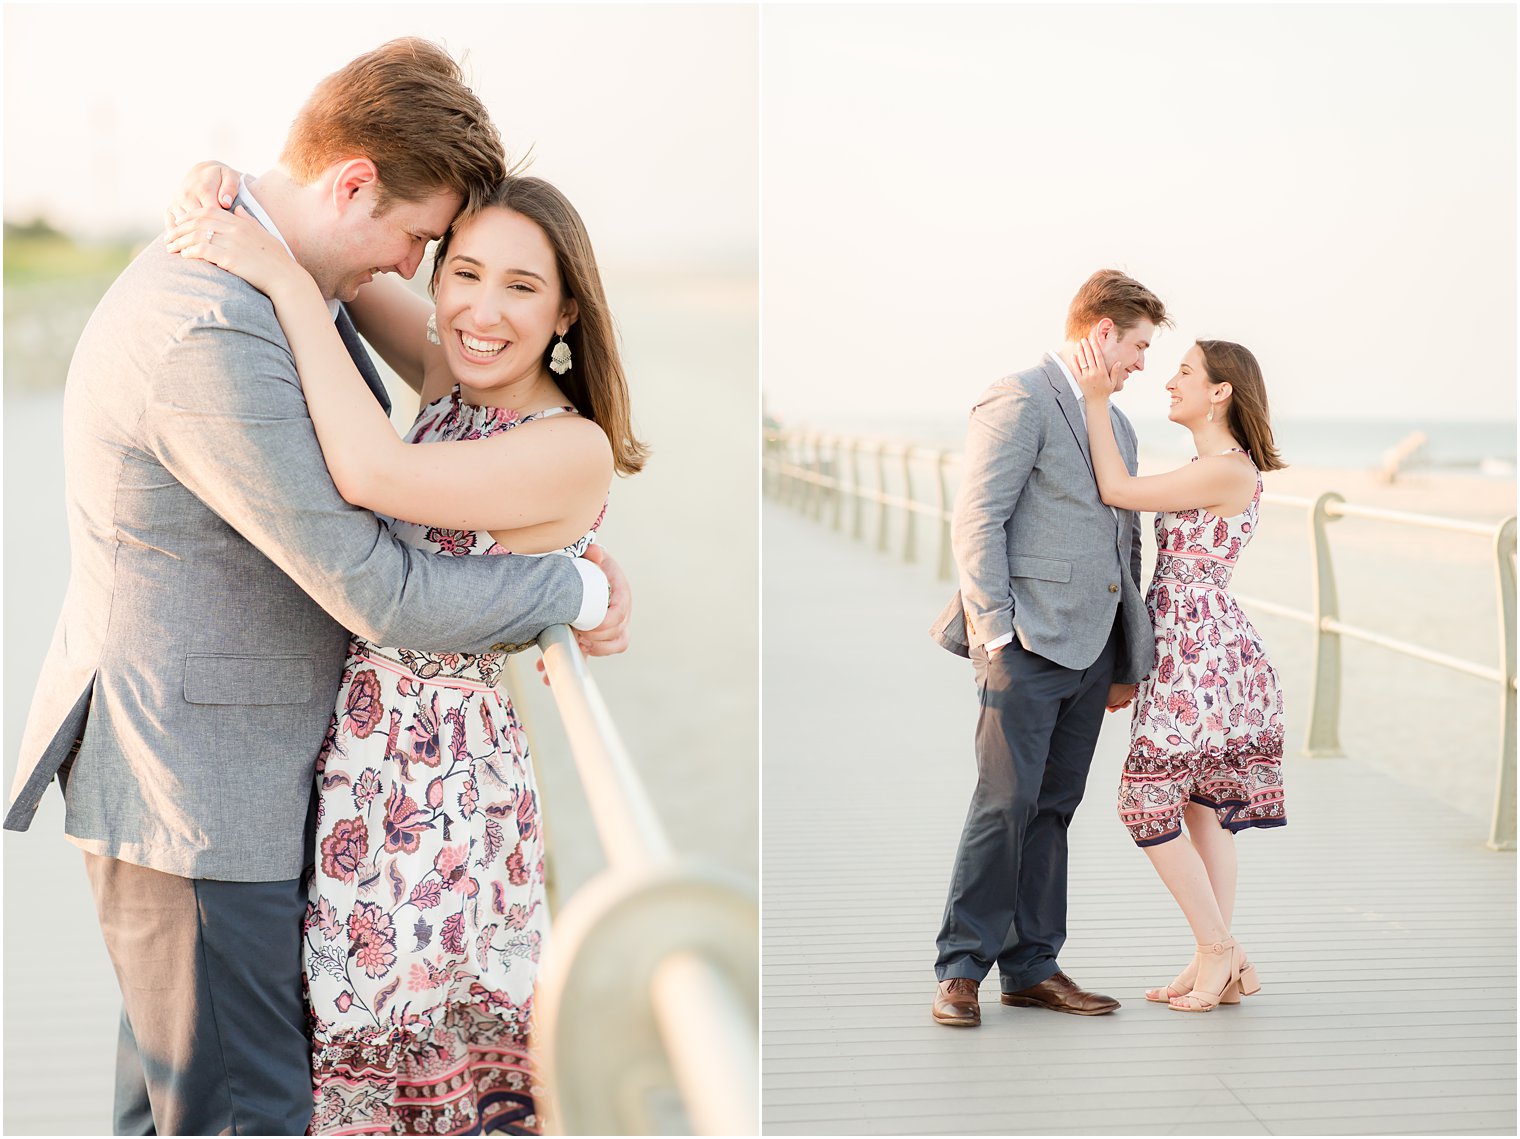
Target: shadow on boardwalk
[1383,929]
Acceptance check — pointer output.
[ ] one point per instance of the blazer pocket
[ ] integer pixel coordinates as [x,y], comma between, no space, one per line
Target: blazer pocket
[1046,569]
[218,678]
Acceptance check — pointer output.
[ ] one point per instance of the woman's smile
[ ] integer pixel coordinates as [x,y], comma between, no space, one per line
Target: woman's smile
[480,347]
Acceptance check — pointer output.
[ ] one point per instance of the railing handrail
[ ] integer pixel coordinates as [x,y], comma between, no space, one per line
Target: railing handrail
[630,832]
[1325,620]
[1405,518]
[900,448]
[697,1008]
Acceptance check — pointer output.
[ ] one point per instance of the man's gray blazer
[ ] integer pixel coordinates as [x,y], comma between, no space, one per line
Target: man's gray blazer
[1039,553]
[215,573]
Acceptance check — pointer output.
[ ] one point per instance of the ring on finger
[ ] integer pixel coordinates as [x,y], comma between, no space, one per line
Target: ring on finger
[210,233]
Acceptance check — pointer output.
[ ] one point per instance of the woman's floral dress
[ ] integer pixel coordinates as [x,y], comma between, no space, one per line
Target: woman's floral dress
[427,910]
[1208,720]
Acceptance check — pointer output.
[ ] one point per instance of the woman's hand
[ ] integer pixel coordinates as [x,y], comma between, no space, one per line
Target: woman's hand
[207,184]
[240,245]
[611,636]
[1097,381]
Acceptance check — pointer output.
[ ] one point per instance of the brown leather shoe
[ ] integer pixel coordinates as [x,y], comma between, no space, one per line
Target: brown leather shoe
[1061,994]
[957,1002]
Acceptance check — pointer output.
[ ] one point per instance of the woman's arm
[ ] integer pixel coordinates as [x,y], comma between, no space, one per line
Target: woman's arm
[557,469]
[1201,485]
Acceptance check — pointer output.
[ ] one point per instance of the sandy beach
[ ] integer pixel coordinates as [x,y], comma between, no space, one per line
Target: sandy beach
[684,697]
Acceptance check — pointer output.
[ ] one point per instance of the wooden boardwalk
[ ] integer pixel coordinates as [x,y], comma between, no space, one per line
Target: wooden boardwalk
[1384,931]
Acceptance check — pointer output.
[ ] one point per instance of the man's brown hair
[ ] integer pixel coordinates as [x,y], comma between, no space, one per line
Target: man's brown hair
[1122,299]
[406,108]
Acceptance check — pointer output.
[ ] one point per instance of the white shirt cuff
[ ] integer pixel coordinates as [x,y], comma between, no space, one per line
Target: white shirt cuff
[595,593]
[999,642]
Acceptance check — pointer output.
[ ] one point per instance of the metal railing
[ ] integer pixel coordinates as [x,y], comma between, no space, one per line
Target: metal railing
[808,471]
[651,978]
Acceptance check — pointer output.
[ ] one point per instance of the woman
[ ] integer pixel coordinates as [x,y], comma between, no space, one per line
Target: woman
[427,909]
[1206,741]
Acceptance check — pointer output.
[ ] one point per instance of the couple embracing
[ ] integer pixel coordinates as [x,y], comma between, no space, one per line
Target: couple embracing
[277,651]
[1046,534]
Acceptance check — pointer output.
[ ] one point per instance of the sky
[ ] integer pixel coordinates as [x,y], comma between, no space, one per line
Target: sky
[644,115]
[1332,186]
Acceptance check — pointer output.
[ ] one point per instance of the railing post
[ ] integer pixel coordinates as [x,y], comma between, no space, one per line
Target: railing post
[799,462]
[800,484]
[857,529]
[838,483]
[783,481]
[804,488]
[946,565]
[909,514]
[1325,703]
[881,487]
[817,480]
[1502,836]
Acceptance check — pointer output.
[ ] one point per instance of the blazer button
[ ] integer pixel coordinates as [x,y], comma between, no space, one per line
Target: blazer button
[1113,589]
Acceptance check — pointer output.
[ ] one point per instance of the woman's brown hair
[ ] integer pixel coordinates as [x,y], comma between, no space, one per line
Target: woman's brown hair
[596,383]
[1249,420]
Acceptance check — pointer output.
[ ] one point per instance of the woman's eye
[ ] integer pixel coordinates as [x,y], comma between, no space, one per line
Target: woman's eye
[465,274]
[521,286]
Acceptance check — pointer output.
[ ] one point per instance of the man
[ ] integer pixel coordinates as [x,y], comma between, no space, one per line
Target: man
[1051,615]
[215,575]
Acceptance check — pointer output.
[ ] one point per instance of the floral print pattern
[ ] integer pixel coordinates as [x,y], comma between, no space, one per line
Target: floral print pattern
[1208,719]
[427,913]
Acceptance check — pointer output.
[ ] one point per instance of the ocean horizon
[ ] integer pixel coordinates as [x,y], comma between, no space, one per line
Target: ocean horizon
[1469,447]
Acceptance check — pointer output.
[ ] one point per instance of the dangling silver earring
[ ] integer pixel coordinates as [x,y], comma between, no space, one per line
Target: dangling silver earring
[559,359]
[1211,413]
[432,329]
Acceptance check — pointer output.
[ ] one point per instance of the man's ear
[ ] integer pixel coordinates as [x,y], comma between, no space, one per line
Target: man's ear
[1105,330]
[354,179]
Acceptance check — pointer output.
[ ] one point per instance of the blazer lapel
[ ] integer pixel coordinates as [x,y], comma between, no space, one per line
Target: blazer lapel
[1071,409]
[362,361]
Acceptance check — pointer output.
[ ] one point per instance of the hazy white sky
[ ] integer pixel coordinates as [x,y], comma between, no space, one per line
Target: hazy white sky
[645,115]
[1332,186]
